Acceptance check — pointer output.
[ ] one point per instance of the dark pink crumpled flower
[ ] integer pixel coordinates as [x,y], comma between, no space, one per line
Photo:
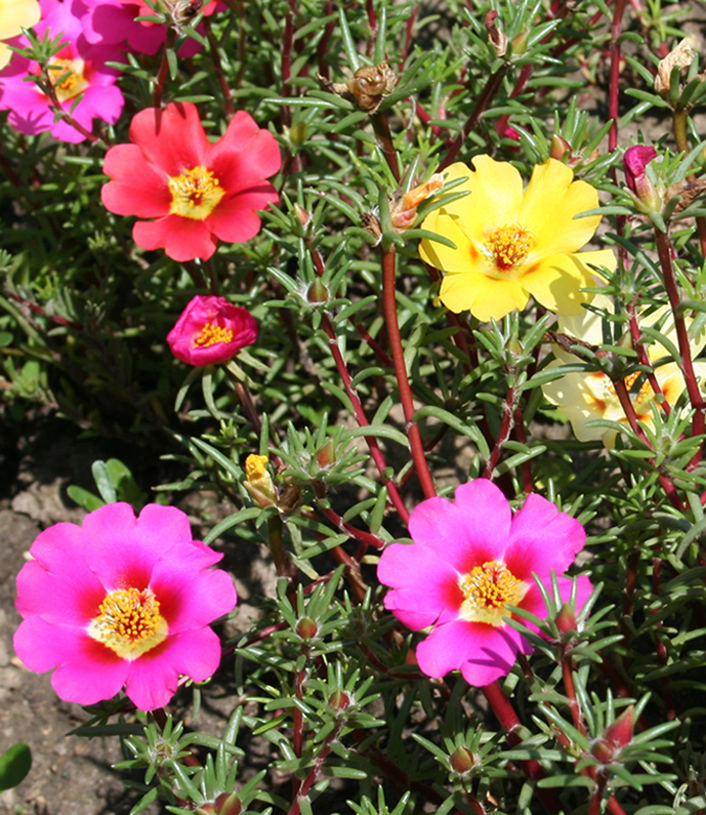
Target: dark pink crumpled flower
[210,330]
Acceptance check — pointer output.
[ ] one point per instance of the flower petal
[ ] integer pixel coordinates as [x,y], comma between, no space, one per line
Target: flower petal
[181,238]
[172,139]
[485,297]
[550,204]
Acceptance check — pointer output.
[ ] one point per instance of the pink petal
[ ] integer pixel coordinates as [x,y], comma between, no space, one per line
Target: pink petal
[482,652]
[87,671]
[542,538]
[425,589]
[190,597]
[152,681]
[71,597]
[139,188]
[534,603]
[466,533]
[235,220]
[181,238]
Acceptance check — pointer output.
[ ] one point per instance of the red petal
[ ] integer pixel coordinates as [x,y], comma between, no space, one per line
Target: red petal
[172,139]
[181,238]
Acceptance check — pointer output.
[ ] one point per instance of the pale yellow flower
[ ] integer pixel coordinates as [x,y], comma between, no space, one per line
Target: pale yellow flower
[589,396]
[14,16]
[512,243]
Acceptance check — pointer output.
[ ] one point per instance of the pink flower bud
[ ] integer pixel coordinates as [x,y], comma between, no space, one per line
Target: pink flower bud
[307,628]
[616,736]
[634,163]
[566,619]
[228,803]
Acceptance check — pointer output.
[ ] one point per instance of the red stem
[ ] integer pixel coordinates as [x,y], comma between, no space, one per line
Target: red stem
[614,92]
[362,419]
[389,260]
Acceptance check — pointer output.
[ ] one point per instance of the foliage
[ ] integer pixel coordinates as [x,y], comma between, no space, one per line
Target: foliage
[366,395]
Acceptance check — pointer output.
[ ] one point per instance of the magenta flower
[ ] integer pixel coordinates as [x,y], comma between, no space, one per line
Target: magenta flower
[211,329]
[121,601]
[635,163]
[87,76]
[471,558]
[113,21]
[197,193]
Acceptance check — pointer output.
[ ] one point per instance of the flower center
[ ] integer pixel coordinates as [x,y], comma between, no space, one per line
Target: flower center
[604,394]
[488,590]
[508,246]
[210,334]
[195,193]
[129,622]
[71,85]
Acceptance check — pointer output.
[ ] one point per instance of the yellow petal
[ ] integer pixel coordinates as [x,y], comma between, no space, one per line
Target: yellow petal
[571,394]
[485,297]
[495,199]
[17,14]
[443,257]
[550,203]
[555,283]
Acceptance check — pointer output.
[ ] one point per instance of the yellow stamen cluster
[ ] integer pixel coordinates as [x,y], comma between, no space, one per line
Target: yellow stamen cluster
[129,622]
[74,84]
[195,193]
[488,590]
[210,334]
[509,246]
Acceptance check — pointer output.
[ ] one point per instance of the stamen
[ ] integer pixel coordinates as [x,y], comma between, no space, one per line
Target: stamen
[488,590]
[509,246]
[129,622]
[195,193]
[74,84]
[210,334]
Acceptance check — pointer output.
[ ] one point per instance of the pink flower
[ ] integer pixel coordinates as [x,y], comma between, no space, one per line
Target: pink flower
[89,77]
[211,329]
[197,192]
[470,559]
[113,21]
[121,601]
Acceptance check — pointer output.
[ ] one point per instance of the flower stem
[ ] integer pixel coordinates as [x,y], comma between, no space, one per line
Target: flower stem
[614,93]
[218,68]
[362,419]
[163,69]
[505,714]
[384,138]
[389,262]
[664,251]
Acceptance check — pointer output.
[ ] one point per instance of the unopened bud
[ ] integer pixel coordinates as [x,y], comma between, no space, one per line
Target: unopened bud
[339,700]
[317,292]
[303,216]
[307,628]
[560,148]
[326,456]
[566,619]
[228,803]
[616,736]
[519,43]
[462,760]
[298,133]
[205,809]
[259,481]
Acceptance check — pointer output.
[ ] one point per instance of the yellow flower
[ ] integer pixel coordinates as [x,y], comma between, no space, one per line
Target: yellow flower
[511,243]
[15,15]
[586,397]
[259,481]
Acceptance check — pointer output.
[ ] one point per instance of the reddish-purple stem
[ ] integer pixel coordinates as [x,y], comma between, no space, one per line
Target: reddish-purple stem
[614,91]
[389,262]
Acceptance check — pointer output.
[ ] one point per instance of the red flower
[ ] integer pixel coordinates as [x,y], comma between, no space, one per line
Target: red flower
[198,193]
[211,329]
